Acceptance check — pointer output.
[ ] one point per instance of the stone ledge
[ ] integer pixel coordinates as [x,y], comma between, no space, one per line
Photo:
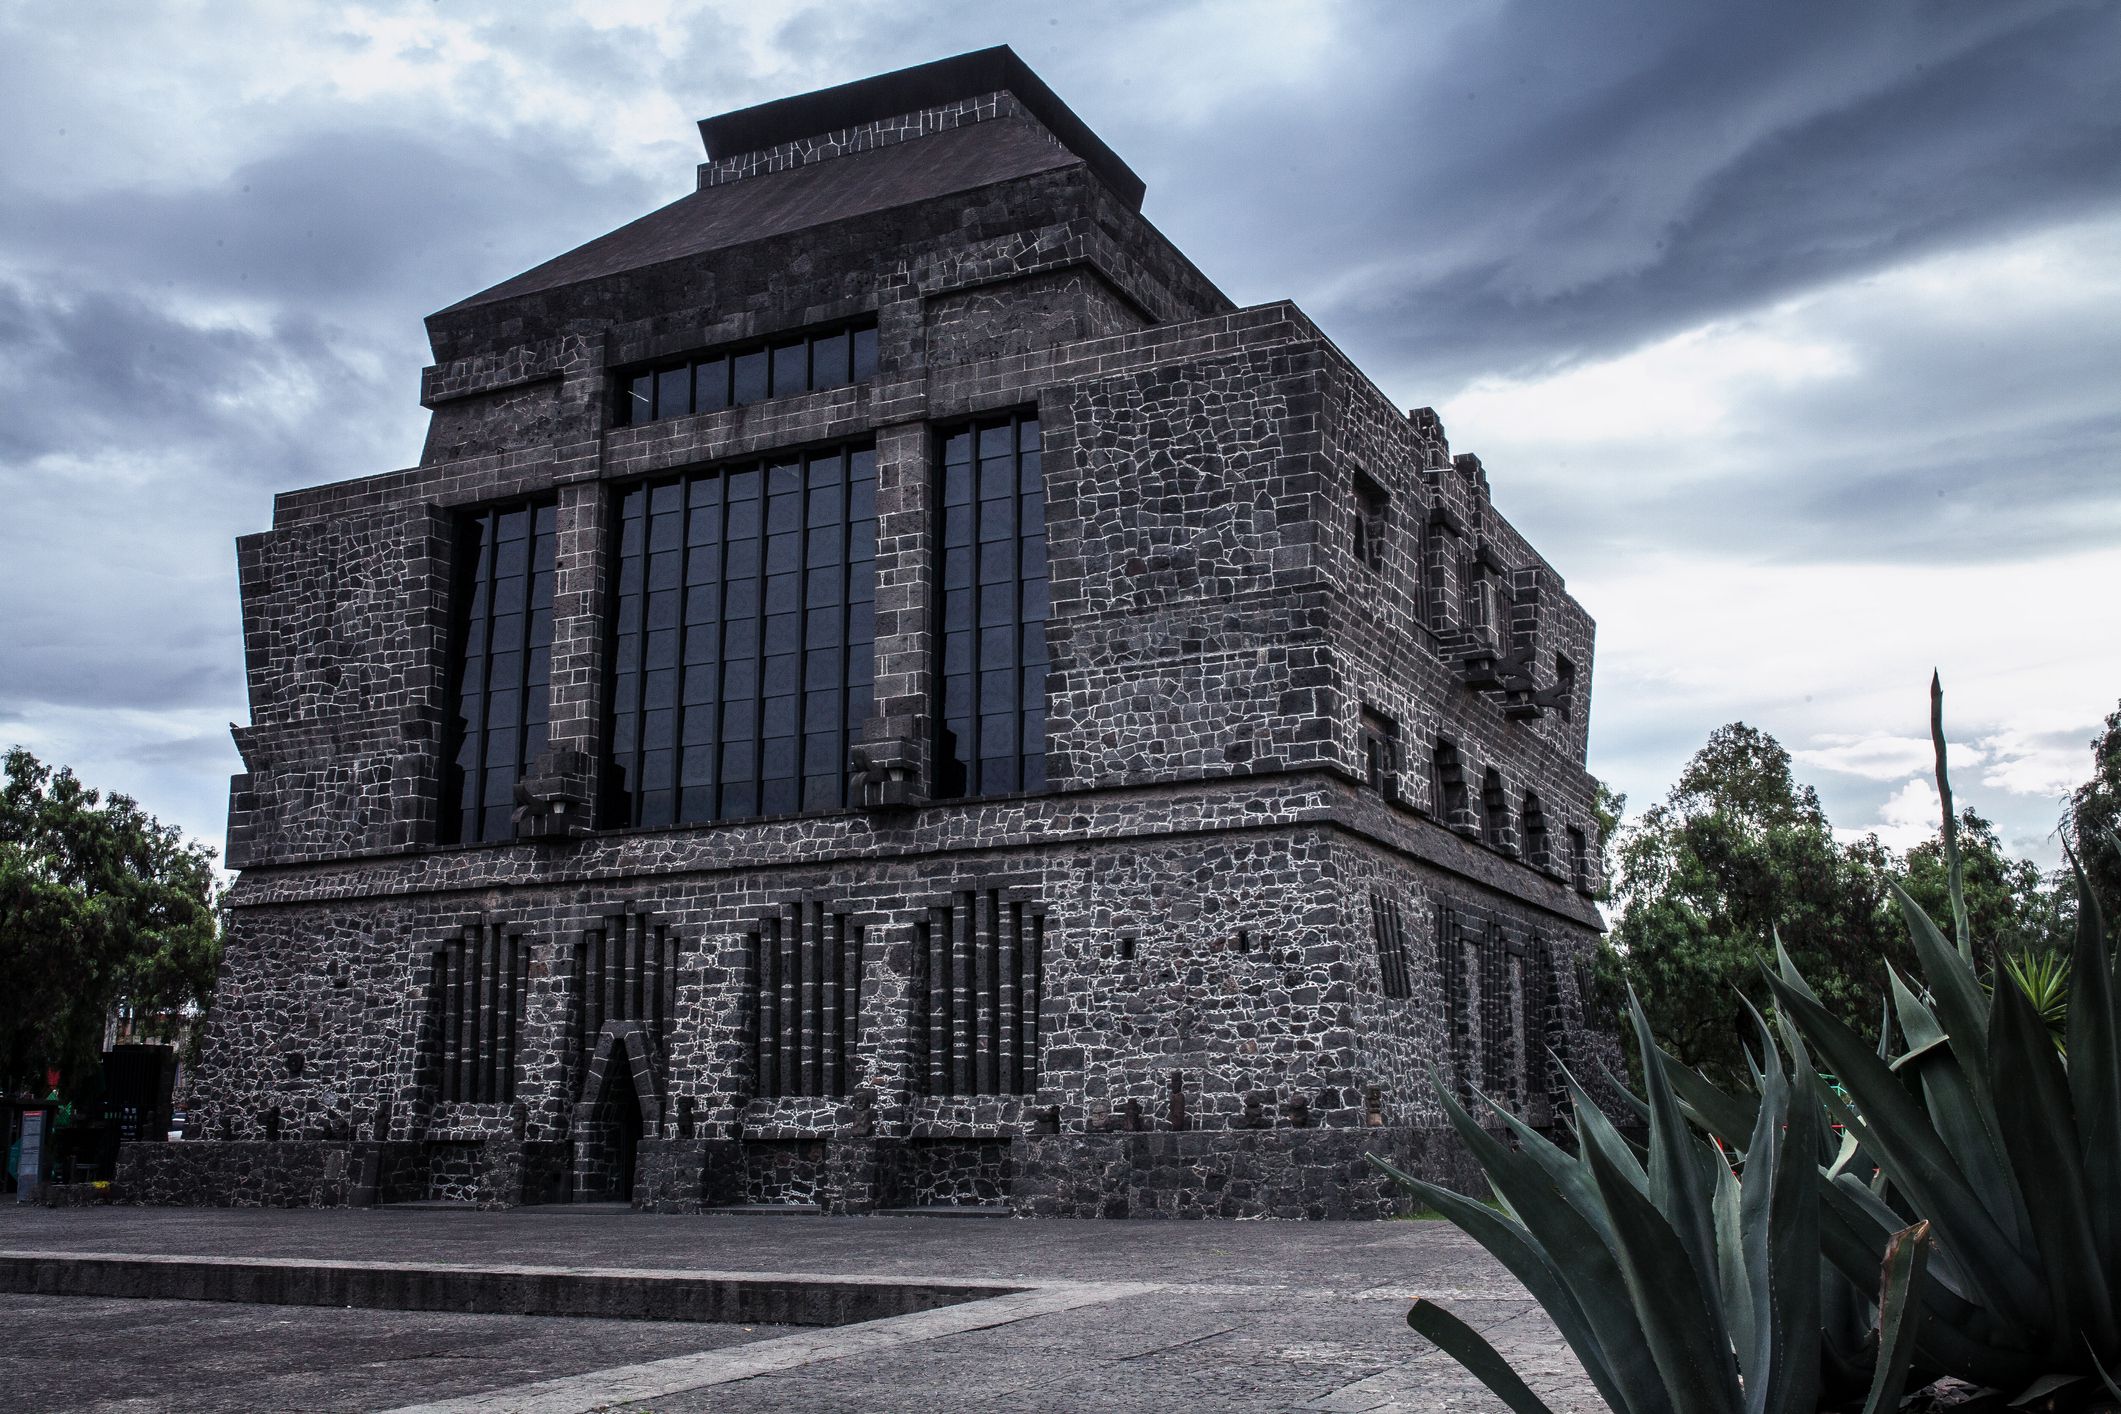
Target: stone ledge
[751,1298]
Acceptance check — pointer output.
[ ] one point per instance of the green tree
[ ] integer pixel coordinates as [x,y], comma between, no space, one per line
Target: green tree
[100,904]
[1608,808]
[1737,853]
[2094,816]
[2011,907]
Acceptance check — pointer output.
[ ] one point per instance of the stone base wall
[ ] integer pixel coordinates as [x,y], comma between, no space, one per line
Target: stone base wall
[785,1171]
[241,1174]
[492,1173]
[1319,1173]
[950,1172]
[1267,1173]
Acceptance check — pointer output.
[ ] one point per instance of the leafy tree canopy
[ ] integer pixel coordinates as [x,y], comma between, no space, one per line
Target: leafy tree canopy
[1737,853]
[2094,815]
[2010,907]
[100,904]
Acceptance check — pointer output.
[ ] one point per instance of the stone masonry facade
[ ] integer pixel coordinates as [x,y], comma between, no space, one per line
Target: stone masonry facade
[1314,823]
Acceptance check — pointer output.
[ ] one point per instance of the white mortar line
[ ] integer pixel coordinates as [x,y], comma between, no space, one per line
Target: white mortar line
[596,1389]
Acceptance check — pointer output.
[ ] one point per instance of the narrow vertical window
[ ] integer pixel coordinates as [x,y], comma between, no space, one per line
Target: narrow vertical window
[1389,930]
[501,669]
[1565,686]
[1380,752]
[743,639]
[1495,811]
[1537,850]
[993,610]
[1370,506]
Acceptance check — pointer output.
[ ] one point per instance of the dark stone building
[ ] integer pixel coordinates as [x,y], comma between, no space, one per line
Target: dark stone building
[885,689]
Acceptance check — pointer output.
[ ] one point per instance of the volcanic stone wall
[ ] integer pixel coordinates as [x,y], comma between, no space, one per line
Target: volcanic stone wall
[1254,947]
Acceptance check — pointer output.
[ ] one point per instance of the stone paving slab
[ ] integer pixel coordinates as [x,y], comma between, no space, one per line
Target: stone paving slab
[1242,1316]
[64,1354]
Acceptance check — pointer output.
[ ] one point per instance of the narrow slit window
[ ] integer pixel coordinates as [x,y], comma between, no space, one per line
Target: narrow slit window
[747,373]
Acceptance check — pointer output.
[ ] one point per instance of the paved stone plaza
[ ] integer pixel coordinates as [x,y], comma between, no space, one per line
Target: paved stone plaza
[1255,1315]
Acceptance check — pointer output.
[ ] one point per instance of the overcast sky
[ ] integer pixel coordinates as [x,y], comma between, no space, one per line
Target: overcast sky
[1790,333]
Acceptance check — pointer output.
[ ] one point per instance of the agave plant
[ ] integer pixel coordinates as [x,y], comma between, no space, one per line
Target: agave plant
[2044,978]
[1967,1222]
[1683,1286]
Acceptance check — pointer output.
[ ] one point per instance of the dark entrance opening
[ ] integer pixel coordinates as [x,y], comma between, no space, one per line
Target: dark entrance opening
[609,1148]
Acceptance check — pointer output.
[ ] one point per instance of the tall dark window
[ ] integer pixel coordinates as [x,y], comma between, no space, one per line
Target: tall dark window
[1388,928]
[475,1009]
[977,964]
[993,734]
[503,665]
[1370,505]
[743,647]
[738,374]
[1380,753]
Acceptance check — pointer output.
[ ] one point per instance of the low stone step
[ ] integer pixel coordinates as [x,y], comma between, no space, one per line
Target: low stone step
[768,1210]
[949,1210]
[605,1293]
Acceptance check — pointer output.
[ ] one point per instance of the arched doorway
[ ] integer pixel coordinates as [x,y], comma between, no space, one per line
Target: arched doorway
[619,1106]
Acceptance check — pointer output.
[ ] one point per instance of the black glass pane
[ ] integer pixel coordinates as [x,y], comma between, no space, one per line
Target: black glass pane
[639,403]
[673,392]
[864,354]
[791,368]
[710,385]
[828,360]
[749,378]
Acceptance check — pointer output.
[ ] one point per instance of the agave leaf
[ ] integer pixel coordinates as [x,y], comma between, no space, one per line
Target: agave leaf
[1595,1131]
[1958,1114]
[2100,1370]
[2041,1134]
[1568,1176]
[1779,1212]
[1957,991]
[1850,1236]
[1471,1349]
[1676,1171]
[1727,1117]
[1577,1245]
[1844,1155]
[1513,1246]
[1734,1289]
[2043,1387]
[1856,1228]
[1845,1352]
[1679,1323]
[2095,1071]
[1788,969]
[1900,1313]
[1601,1328]
[1899,1136]
[1633,1101]
[1929,1047]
